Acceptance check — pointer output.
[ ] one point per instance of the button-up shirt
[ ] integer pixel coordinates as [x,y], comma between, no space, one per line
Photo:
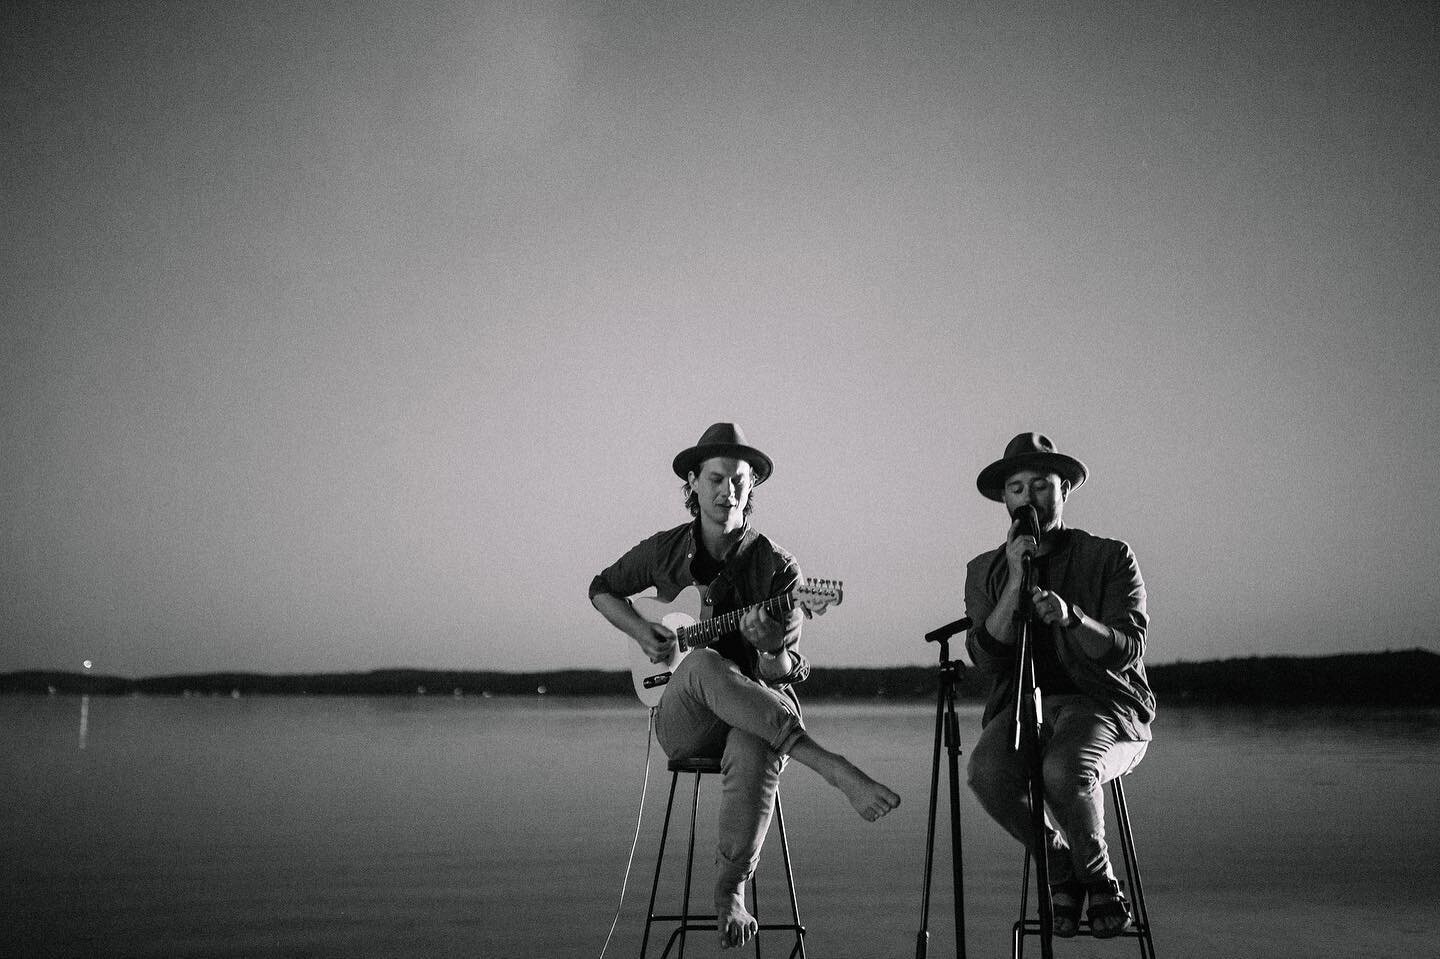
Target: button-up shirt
[755,570]
[1101,577]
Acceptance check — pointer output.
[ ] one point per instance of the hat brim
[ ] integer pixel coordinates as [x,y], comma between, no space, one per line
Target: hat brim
[991,481]
[687,460]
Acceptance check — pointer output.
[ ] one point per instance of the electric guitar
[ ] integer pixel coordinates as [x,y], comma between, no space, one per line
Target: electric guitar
[688,616]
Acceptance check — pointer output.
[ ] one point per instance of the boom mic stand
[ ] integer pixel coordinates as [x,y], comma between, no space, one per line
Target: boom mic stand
[947,728]
[1026,740]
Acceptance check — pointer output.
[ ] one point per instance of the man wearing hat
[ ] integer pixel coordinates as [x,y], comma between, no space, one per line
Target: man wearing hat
[1087,624]
[734,698]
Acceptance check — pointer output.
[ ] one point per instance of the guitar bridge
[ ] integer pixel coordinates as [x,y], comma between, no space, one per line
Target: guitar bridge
[659,679]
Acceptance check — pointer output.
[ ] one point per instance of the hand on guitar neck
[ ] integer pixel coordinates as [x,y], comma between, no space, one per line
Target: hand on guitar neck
[659,642]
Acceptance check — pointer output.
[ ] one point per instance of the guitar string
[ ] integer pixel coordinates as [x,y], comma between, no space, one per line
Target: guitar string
[710,629]
[707,628]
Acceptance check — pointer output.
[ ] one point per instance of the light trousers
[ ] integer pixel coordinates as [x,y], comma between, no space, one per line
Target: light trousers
[1082,750]
[711,708]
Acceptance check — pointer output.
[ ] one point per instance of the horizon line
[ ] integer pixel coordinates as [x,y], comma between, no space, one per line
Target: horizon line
[604,669]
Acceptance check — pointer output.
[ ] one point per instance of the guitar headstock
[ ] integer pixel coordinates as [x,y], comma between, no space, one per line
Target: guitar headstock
[817,595]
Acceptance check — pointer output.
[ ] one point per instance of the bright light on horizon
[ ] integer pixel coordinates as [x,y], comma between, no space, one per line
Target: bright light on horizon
[87,664]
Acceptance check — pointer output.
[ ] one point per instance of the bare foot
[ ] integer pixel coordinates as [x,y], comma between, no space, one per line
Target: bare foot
[870,798]
[736,925]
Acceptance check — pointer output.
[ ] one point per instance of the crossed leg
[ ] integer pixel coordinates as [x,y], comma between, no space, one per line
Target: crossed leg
[710,705]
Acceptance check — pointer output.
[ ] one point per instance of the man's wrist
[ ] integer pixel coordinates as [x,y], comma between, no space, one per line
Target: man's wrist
[1074,618]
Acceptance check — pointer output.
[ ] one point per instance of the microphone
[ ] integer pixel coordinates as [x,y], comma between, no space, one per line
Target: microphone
[1029,521]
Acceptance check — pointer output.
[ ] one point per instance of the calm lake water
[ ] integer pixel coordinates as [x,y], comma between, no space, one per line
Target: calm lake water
[434,826]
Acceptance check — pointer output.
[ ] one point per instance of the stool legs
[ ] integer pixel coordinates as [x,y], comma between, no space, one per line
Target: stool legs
[1132,870]
[1140,922]
[689,867]
[688,924]
[664,834]
[799,949]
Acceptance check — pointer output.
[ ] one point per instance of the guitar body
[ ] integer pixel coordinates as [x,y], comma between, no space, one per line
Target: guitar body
[684,611]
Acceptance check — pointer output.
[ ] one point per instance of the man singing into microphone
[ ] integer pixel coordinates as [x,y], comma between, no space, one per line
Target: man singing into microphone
[1087,628]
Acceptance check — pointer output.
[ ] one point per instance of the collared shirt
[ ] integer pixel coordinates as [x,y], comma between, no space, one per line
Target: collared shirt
[1101,577]
[755,570]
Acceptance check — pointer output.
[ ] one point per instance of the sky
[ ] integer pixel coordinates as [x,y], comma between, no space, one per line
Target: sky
[346,336]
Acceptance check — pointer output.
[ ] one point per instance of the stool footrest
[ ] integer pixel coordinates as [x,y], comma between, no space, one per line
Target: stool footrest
[1031,927]
[693,926]
[1139,927]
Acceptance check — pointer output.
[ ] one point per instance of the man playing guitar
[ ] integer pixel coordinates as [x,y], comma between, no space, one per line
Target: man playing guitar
[734,698]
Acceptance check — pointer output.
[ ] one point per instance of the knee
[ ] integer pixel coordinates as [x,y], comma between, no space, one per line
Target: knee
[991,758]
[987,774]
[699,665]
[1067,773]
[975,773]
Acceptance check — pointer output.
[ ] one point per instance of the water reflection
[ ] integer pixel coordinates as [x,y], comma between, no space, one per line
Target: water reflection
[500,827]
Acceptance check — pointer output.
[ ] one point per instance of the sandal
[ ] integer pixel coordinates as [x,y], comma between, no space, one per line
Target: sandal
[1109,913]
[1065,900]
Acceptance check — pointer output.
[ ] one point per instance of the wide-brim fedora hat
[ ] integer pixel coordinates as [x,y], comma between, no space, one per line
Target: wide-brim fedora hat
[723,439]
[1029,451]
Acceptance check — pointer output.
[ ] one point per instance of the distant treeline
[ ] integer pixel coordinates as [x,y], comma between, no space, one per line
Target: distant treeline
[1407,678]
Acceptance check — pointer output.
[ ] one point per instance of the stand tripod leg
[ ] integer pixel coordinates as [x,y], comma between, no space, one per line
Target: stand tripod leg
[947,730]
[1028,719]
[922,939]
[1037,831]
[952,729]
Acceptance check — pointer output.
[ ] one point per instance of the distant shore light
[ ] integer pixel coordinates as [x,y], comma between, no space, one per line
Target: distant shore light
[87,664]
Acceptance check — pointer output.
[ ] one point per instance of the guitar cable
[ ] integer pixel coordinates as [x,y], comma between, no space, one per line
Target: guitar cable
[634,843]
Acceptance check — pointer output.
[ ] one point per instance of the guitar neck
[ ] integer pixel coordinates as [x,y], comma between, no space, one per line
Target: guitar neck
[707,631]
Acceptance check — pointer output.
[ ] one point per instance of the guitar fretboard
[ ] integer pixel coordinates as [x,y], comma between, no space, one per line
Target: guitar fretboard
[708,631]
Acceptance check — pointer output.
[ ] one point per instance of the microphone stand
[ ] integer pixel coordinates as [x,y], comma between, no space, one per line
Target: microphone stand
[947,729]
[1026,740]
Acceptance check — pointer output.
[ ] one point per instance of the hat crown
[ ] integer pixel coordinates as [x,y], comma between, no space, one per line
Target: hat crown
[1029,443]
[722,434]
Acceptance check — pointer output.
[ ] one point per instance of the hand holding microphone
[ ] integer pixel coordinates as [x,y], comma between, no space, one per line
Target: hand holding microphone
[1024,538]
[1024,541]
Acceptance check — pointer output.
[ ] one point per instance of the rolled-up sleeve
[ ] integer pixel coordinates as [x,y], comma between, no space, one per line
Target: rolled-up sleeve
[986,652]
[1122,609]
[783,582]
[630,574]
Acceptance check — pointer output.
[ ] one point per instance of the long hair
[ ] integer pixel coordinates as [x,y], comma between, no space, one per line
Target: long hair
[692,500]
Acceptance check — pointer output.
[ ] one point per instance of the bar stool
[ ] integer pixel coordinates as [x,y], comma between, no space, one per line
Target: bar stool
[687,921]
[1140,916]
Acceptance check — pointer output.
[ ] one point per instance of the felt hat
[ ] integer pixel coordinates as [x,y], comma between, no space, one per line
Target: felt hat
[723,439]
[1029,451]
